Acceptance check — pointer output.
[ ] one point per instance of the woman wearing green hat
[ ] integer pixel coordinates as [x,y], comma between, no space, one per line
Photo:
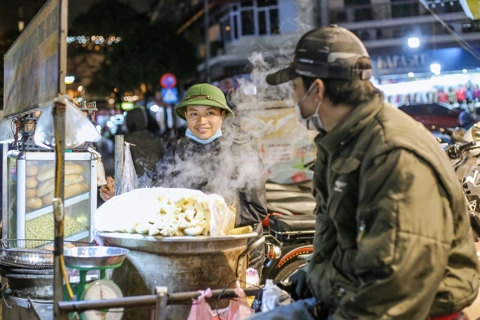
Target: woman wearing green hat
[215,157]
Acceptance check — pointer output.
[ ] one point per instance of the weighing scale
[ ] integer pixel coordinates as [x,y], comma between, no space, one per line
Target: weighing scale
[86,259]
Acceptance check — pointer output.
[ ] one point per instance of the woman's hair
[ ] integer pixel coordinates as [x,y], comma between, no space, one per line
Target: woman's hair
[349,92]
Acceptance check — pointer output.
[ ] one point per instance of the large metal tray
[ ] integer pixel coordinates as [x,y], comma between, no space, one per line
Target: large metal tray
[94,257]
[29,253]
[174,245]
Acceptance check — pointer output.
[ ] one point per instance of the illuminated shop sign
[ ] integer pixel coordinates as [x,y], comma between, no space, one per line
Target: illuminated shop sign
[450,59]
[402,62]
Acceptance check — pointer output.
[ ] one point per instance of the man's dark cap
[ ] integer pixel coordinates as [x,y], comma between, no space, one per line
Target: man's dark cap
[327,53]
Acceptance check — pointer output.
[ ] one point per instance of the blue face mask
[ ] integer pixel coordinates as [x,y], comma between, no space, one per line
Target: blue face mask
[190,135]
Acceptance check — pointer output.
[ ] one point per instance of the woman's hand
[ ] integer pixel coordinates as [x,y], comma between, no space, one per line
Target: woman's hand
[108,190]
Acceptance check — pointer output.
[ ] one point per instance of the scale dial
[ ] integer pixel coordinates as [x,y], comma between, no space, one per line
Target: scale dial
[102,290]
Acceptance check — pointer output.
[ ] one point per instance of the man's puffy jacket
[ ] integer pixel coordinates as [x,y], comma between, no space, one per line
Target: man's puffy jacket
[393,239]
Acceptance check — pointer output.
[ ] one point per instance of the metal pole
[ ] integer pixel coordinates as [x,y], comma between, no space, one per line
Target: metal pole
[59,129]
[119,158]
[150,300]
[4,191]
[161,305]
[207,43]
[324,13]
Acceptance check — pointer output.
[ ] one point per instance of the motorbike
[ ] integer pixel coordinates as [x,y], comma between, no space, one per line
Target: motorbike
[290,225]
[289,229]
[465,156]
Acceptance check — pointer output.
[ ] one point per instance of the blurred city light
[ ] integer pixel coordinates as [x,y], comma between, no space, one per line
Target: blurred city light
[413,42]
[69,79]
[435,67]
[154,108]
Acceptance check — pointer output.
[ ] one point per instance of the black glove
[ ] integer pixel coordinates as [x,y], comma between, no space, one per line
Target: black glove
[297,286]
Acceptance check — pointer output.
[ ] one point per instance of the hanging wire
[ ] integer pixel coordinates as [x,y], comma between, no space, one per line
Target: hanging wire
[459,39]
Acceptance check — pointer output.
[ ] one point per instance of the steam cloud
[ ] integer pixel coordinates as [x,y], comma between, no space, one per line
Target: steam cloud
[252,94]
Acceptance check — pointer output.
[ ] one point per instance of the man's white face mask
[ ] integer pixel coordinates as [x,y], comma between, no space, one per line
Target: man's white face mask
[311,122]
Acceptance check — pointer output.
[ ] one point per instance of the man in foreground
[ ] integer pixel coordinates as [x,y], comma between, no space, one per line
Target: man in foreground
[392,237]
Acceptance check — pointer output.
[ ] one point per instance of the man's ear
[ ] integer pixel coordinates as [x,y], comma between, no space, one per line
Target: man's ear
[224,114]
[319,89]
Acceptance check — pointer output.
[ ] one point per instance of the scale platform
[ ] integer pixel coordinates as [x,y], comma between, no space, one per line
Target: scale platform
[100,258]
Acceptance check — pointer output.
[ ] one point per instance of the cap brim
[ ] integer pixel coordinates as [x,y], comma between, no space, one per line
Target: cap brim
[282,76]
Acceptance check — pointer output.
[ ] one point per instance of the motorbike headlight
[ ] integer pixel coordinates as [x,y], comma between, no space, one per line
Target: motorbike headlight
[273,251]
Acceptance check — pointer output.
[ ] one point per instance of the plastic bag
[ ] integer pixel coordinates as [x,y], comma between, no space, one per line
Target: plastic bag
[78,128]
[253,278]
[200,308]
[273,296]
[115,215]
[238,308]
[222,218]
[100,168]
[129,176]
[7,128]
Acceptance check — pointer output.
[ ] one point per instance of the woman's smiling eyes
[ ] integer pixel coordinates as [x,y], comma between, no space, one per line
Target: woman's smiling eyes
[208,113]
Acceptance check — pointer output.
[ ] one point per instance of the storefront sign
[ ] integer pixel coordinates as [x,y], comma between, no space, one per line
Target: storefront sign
[450,59]
[401,63]
[35,65]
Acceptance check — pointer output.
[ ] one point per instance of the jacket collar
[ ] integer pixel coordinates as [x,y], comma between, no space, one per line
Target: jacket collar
[349,127]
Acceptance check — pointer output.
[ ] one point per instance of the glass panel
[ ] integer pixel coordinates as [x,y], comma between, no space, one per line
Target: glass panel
[235,26]
[350,3]
[246,4]
[262,23]
[248,23]
[400,9]
[265,3]
[226,30]
[40,185]
[274,22]
[363,14]
[12,199]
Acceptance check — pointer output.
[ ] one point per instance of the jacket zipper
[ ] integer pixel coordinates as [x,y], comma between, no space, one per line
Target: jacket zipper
[361,230]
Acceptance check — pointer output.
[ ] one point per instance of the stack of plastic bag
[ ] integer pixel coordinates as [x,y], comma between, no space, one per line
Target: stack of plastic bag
[200,308]
[238,308]
[78,128]
[273,296]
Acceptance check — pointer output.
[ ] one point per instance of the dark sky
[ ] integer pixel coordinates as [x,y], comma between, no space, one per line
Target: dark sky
[80,6]
[10,12]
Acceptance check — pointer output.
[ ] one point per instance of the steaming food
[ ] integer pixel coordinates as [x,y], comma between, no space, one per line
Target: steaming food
[166,212]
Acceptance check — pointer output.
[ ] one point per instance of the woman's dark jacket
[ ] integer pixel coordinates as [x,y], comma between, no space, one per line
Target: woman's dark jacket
[227,166]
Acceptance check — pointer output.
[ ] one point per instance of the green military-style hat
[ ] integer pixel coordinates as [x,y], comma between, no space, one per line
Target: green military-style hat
[203,94]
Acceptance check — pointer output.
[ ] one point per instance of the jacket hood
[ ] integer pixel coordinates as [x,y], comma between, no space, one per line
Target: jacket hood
[136,119]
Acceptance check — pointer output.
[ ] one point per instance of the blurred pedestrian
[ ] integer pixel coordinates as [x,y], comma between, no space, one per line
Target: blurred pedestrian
[466,119]
[147,148]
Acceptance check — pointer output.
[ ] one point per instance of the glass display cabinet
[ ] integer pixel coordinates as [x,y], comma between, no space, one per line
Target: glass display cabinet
[30,190]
